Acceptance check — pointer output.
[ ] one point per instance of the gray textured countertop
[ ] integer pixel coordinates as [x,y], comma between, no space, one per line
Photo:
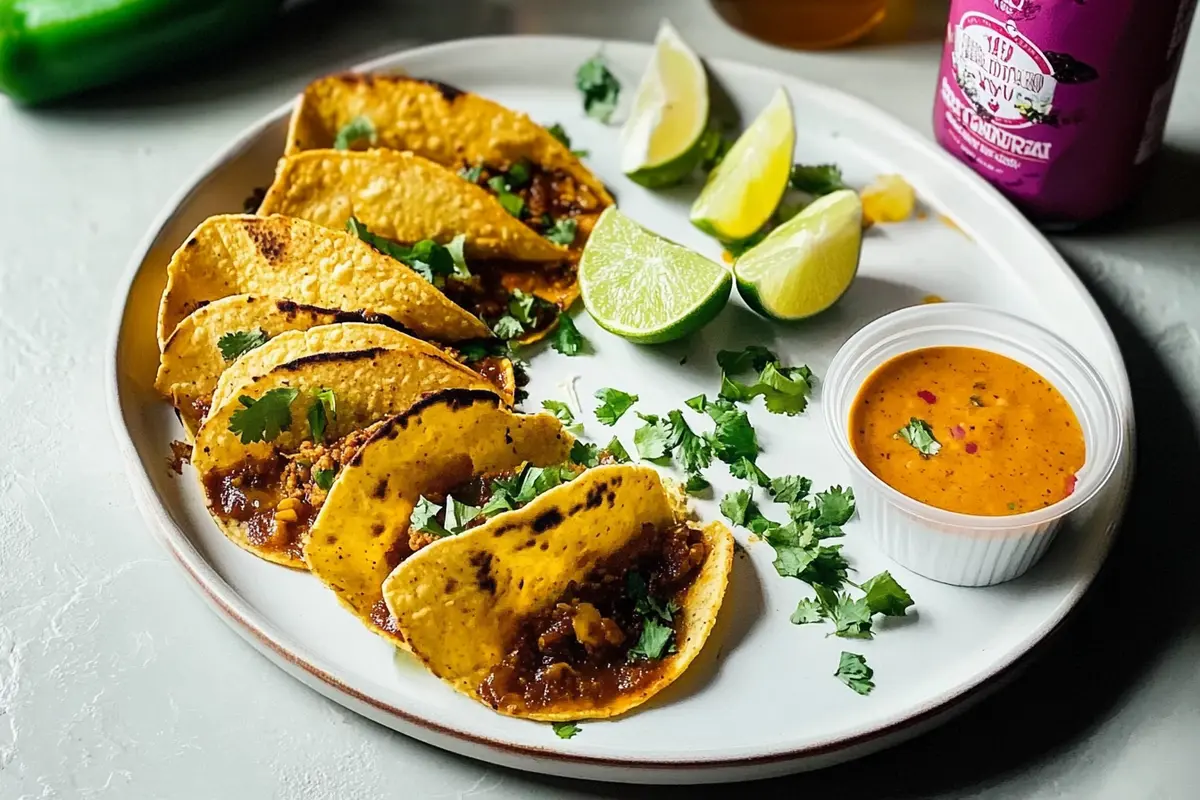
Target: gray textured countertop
[115,681]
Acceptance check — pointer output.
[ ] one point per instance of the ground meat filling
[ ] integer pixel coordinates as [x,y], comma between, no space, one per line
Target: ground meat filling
[278,498]
[584,649]
[548,195]
[487,293]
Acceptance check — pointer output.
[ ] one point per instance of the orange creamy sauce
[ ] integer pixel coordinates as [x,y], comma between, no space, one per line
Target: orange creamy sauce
[1010,442]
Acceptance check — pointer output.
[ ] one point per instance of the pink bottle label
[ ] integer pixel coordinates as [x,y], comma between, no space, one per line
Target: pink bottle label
[1057,101]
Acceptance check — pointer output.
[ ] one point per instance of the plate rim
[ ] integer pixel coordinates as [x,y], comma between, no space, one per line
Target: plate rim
[314,673]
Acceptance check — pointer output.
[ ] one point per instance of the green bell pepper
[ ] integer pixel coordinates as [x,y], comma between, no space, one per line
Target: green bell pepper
[53,48]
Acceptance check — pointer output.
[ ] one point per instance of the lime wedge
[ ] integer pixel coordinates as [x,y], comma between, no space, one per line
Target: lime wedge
[806,264]
[644,288]
[660,142]
[743,191]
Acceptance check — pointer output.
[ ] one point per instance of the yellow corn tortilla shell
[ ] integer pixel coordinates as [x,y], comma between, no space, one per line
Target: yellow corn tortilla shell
[441,442]
[460,629]
[403,197]
[438,122]
[309,264]
[191,362]
[369,384]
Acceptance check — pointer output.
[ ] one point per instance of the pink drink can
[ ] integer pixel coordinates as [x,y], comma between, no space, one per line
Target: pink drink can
[1060,104]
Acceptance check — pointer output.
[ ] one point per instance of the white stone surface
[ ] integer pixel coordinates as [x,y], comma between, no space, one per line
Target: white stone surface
[115,681]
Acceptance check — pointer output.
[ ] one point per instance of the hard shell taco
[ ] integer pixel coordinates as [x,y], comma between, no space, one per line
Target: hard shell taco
[394,199]
[308,264]
[435,470]
[584,603]
[273,442]
[501,150]
[221,343]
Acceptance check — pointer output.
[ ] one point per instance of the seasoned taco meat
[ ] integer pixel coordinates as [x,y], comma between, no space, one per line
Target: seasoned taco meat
[588,644]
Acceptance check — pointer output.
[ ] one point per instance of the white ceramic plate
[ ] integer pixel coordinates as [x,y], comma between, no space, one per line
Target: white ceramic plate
[761,700]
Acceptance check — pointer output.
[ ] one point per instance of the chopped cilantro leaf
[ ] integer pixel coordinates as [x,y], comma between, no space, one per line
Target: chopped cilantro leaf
[584,454]
[520,306]
[733,437]
[828,567]
[713,147]
[613,405]
[807,611]
[511,203]
[508,327]
[695,452]
[538,480]
[499,502]
[323,478]
[747,470]
[736,505]
[423,518]
[886,596]
[653,440]
[818,179]
[355,131]
[919,434]
[262,420]
[459,515]
[790,488]
[754,357]
[322,411]
[600,88]
[563,413]
[853,671]
[852,617]
[566,338]
[432,261]
[836,506]
[618,452]
[559,132]
[471,174]
[654,641]
[696,483]
[518,175]
[563,231]
[697,403]
[237,343]
[565,730]
[794,548]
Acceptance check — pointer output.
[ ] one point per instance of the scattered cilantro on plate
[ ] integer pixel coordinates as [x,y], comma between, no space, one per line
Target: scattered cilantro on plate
[565,730]
[585,454]
[747,470]
[853,671]
[617,450]
[235,344]
[785,390]
[817,179]
[613,405]
[653,439]
[263,419]
[423,518]
[600,88]
[566,338]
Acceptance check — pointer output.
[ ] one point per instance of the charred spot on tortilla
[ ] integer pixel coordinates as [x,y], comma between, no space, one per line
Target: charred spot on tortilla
[292,308]
[449,93]
[595,495]
[380,490]
[377,530]
[192,242]
[508,436]
[272,246]
[451,585]
[611,498]
[548,520]
[456,399]
[482,561]
[320,358]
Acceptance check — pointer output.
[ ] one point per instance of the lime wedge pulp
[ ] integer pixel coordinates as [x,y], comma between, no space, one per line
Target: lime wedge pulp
[806,264]
[744,189]
[661,140]
[645,288]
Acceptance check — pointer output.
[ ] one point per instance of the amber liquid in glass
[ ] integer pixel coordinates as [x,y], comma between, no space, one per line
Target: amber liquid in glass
[803,24]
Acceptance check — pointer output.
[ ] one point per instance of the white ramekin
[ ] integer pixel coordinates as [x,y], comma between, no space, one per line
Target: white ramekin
[965,549]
